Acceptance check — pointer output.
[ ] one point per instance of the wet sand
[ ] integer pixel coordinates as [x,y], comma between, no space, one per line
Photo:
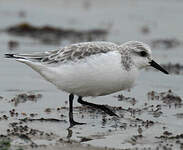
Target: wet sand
[34,114]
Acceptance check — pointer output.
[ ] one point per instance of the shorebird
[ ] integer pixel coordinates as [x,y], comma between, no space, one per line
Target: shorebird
[91,69]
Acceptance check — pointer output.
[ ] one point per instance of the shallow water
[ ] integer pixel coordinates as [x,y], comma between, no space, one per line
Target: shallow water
[124,21]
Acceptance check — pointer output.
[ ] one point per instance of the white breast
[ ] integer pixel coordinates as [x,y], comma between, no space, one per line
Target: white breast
[96,75]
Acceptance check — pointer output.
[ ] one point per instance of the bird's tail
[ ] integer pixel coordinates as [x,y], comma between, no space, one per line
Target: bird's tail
[31,60]
[17,57]
[35,57]
[12,56]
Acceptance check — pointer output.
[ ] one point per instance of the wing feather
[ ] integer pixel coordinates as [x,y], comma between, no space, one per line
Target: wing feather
[79,51]
[70,53]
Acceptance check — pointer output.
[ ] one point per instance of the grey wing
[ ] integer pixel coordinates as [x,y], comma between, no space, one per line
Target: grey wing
[78,51]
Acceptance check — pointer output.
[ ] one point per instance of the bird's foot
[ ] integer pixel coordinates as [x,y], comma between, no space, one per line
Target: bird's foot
[73,123]
[107,110]
[97,106]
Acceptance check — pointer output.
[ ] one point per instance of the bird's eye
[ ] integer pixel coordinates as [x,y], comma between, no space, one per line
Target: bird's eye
[143,53]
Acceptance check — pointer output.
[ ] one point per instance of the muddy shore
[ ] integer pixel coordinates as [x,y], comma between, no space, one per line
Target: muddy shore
[34,114]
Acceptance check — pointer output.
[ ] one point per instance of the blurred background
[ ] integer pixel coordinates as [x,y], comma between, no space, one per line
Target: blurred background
[28,26]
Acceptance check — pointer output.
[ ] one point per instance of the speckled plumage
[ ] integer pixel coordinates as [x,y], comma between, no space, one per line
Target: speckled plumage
[78,51]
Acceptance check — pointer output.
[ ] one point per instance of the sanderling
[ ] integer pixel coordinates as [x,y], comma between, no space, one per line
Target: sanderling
[91,69]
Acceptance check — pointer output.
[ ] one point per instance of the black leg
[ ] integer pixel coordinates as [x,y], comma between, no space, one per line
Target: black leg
[102,107]
[71,120]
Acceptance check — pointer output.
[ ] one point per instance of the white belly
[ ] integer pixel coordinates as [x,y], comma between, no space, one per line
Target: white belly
[97,75]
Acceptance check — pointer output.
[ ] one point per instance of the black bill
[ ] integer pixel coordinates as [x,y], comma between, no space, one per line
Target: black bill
[155,65]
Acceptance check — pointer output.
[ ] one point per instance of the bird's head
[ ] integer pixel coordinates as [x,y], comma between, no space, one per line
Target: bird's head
[141,55]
